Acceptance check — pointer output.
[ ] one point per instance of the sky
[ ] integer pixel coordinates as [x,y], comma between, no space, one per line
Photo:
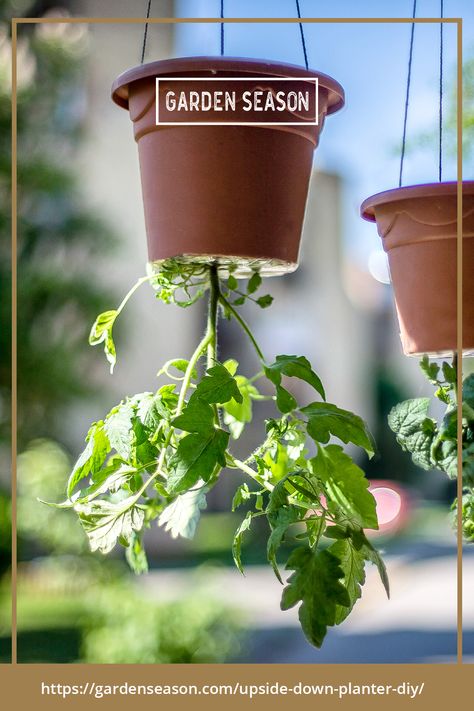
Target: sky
[362,142]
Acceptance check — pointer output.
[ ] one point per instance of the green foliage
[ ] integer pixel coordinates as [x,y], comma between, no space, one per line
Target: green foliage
[347,487]
[128,628]
[106,522]
[434,445]
[326,420]
[42,470]
[101,332]
[316,583]
[114,621]
[155,456]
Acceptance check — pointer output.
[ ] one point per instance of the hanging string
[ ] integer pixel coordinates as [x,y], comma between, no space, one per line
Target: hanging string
[222,28]
[303,42]
[440,155]
[407,97]
[145,33]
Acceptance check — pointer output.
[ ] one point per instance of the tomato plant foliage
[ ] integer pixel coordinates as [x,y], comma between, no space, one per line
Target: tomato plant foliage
[434,445]
[155,456]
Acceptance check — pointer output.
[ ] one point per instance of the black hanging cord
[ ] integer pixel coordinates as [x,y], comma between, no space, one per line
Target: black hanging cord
[303,41]
[222,28]
[145,33]
[440,151]
[407,97]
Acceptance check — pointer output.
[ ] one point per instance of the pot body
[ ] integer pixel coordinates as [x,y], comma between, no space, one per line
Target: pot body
[225,193]
[418,227]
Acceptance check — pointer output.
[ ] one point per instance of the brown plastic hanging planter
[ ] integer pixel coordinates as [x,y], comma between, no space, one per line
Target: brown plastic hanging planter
[226,193]
[418,227]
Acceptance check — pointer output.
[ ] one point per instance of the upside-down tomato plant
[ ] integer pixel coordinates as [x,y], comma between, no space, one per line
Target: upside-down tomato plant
[156,455]
[434,445]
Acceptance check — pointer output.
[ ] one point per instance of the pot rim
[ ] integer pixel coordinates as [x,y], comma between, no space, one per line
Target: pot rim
[168,67]
[410,192]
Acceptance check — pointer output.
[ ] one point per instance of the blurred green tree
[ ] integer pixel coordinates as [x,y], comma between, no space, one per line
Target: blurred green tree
[59,238]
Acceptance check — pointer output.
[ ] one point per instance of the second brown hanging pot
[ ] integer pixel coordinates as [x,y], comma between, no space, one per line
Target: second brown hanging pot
[418,227]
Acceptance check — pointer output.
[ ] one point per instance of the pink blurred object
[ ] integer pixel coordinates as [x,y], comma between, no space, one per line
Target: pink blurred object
[393,506]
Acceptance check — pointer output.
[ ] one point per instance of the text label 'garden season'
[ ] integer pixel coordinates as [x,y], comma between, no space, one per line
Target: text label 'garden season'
[249,100]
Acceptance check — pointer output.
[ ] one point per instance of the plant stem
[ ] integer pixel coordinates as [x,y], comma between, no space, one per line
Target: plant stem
[214,294]
[203,344]
[141,281]
[266,484]
[209,342]
[252,473]
[243,324]
[455,366]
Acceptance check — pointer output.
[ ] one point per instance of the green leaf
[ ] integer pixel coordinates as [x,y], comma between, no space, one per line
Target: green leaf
[237,542]
[337,533]
[135,554]
[407,417]
[232,283]
[238,414]
[196,458]
[265,301]
[467,514]
[166,401]
[415,432]
[346,486]
[445,456]
[242,494]
[315,528]
[180,364]
[295,443]
[443,394]
[254,283]
[325,419]
[119,429]
[196,417]
[372,555]
[217,387]
[352,562]
[280,521]
[431,370]
[294,367]
[468,413]
[449,425]
[105,522]
[231,365]
[92,458]
[101,332]
[154,408]
[420,443]
[285,400]
[277,463]
[181,517]
[450,373]
[316,584]
[278,496]
[468,465]
[109,479]
[312,498]
[468,390]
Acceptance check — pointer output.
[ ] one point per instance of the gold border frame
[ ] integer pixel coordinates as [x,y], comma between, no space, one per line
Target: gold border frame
[241,20]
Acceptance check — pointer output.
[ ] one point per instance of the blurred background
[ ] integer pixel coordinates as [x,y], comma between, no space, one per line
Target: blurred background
[82,245]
